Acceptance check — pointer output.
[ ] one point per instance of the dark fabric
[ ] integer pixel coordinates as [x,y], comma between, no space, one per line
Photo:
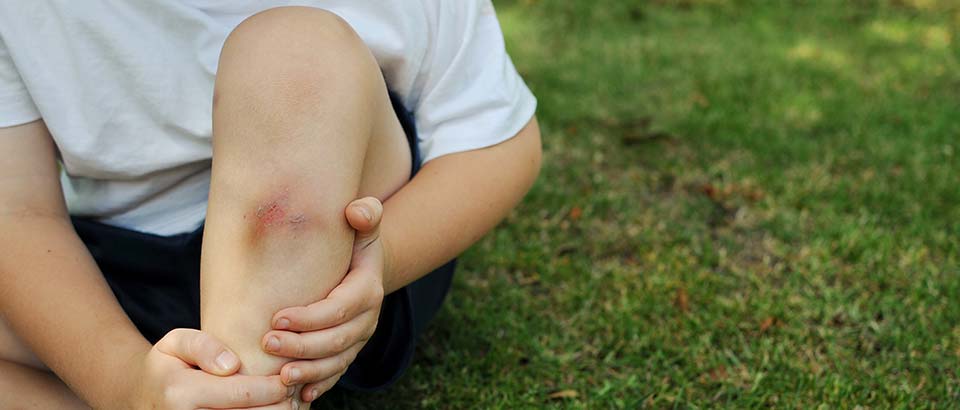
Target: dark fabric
[156,279]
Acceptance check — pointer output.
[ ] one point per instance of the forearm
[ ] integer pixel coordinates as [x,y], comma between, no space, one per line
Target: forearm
[452,202]
[54,297]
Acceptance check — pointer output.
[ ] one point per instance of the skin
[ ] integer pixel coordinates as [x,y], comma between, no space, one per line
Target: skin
[46,272]
[287,160]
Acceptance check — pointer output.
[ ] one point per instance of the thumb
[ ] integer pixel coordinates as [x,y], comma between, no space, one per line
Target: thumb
[199,349]
[364,215]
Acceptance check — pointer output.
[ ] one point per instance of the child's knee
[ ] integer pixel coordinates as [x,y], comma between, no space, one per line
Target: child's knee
[290,55]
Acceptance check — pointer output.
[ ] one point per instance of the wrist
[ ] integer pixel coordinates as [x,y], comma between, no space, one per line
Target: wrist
[119,384]
[129,381]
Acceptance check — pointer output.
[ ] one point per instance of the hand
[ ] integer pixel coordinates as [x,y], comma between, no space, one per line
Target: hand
[166,377]
[328,334]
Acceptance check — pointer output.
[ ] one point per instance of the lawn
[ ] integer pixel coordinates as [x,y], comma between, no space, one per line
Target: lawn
[743,204]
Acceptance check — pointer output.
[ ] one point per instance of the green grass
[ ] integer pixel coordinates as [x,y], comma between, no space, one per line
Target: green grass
[743,204]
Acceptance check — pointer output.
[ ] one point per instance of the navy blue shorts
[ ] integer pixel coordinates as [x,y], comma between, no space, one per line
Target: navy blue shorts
[156,279]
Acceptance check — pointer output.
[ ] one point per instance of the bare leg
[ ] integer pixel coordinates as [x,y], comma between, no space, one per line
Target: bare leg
[25,383]
[302,126]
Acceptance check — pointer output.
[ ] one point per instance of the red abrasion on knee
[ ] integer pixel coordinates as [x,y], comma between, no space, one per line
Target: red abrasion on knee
[275,215]
[271,214]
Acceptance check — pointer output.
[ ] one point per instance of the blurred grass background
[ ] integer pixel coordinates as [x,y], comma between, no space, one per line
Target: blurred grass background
[743,204]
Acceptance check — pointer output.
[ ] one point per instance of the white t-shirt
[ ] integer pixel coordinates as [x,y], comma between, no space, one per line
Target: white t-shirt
[125,88]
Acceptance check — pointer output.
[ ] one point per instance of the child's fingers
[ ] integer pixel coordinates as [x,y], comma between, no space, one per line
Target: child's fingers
[283,405]
[199,349]
[237,391]
[357,293]
[364,214]
[319,344]
[313,371]
[321,315]
[312,391]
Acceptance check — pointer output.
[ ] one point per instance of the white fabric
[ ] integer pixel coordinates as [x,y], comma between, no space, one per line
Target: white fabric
[125,88]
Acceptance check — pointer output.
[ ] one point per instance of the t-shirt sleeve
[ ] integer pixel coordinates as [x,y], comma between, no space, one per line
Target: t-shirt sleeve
[472,95]
[16,106]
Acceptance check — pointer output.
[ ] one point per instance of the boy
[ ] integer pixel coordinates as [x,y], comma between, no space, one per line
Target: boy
[102,279]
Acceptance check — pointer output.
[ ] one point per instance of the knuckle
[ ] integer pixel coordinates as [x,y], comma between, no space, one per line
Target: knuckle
[299,348]
[198,343]
[241,394]
[341,313]
[191,346]
[340,343]
[308,321]
[172,337]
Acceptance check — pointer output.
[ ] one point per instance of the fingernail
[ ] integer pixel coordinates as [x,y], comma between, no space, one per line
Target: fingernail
[294,375]
[365,213]
[273,344]
[291,390]
[283,323]
[294,404]
[314,394]
[226,360]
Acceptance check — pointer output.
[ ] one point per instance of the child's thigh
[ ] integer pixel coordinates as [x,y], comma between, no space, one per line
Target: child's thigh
[13,350]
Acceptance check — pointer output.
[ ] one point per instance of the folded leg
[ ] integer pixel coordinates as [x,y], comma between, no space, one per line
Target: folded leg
[302,126]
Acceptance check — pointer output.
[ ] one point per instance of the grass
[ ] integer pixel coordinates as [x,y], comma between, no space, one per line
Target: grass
[743,204]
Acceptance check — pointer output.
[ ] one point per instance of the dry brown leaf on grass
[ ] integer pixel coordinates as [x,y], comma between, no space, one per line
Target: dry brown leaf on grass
[575,213]
[710,191]
[767,323]
[715,375]
[682,300]
[563,394]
